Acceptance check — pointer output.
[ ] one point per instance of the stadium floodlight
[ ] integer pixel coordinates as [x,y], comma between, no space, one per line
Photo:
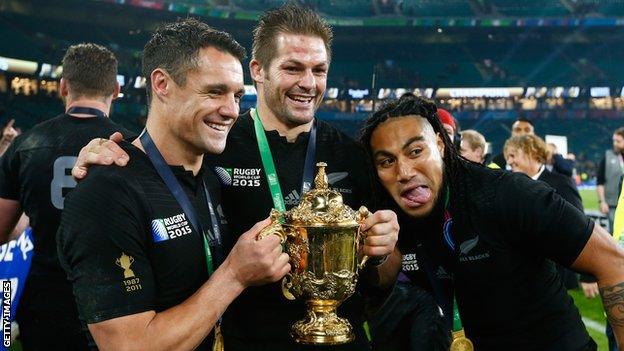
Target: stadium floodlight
[18,66]
[598,92]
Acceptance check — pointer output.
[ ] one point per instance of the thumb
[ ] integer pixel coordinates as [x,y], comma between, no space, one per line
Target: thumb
[255,230]
[11,123]
[116,137]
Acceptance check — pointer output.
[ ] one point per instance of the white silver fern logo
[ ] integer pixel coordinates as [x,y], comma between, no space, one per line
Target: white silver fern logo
[224,176]
[159,231]
[468,245]
[336,177]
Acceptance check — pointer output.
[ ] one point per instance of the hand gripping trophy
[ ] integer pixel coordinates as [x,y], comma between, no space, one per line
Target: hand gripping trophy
[321,235]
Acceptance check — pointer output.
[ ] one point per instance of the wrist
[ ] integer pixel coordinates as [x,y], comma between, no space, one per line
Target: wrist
[376,261]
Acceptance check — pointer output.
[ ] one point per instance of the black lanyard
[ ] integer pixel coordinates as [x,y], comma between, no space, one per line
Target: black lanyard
[79,110]
[210,239]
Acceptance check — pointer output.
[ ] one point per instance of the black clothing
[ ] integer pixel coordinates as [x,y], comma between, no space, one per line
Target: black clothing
[261,315]
[563,165]
[567,190]
[500,160]
[36,172]
[506,229]
[600,172]
[126,243]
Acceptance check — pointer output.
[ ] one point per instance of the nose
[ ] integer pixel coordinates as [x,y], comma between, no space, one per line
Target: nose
[230,107]
[307,80]
[404,171]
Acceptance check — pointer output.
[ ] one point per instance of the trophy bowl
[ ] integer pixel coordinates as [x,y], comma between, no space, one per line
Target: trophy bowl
[321,236]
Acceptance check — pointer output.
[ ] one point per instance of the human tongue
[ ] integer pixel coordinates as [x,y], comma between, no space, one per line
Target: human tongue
[419,194]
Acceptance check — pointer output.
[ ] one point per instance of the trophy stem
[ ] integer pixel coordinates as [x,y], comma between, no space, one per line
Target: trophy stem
[323,326]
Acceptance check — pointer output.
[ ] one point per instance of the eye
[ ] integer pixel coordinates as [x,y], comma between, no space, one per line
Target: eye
[415,152]
[385,162]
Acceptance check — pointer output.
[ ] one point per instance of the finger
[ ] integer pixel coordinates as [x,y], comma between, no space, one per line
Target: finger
[11,123]
[381,216]
[116,137]
[380,240]
[112,149]
[255,230]
[377,251]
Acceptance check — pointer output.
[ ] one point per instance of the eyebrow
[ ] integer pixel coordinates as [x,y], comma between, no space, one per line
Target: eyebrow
[220,87]
[296,62]
[409,142]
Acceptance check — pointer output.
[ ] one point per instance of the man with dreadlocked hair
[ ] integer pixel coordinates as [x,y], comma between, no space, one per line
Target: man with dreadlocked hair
[493,234]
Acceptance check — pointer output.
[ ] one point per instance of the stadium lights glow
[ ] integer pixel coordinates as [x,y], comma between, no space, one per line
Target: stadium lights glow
[19,66]
[358,93]
[598,92]
[122,81]
[479,92]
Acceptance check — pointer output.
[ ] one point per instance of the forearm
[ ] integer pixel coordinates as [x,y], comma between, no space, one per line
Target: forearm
[601,193]
[384,275]
[182,327]
[613,302]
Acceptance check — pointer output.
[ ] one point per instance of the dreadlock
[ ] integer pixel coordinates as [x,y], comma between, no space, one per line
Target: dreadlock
[411,105]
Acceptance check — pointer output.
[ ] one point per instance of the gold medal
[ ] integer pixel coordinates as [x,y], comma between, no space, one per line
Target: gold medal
[218,338]
[461,342]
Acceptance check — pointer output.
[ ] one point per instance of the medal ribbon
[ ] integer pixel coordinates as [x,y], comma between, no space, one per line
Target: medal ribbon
[446,229]
[79,110]
[210,239]
[269,166]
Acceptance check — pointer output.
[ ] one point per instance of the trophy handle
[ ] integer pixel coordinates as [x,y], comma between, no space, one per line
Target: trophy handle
[362,214]
[286,287]
[274,228]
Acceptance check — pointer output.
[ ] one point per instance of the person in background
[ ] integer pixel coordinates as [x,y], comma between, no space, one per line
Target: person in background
[472,146]
[9,133]
[528,154]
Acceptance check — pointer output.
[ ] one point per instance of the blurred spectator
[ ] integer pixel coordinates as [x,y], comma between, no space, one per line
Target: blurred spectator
[472,146]
[521,126]
[557,163]
[610,171]
[528,154]
[9,133]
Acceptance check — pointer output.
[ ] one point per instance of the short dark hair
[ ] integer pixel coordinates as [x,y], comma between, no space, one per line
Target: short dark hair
[90,69]
[526,120]
[290,18]
[175,47]
[620,132]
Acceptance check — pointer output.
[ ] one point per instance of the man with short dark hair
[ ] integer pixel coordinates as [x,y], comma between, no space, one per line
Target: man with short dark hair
[610,171]
[142,244]
[291,80]
[34,180]
[494,233]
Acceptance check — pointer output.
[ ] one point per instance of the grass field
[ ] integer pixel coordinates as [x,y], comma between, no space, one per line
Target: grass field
[590,199]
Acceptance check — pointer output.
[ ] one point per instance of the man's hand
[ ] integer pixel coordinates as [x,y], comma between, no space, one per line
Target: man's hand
[100,151]
[590,290]
[9,132]
[381,231]
[257,262]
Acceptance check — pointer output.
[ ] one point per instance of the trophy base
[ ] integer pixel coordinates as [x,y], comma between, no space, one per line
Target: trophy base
[323,326]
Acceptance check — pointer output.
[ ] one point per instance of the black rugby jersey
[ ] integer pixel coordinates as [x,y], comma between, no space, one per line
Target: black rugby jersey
[507,230]
[261,315]
[36,171]
[126,243]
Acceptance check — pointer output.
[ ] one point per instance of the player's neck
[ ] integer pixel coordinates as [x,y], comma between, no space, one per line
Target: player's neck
[534,168]
[86,102]
[272,122]
[174,150]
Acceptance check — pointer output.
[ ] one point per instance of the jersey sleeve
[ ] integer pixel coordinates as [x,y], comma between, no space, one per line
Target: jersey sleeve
[102,248]
[9,172]
[534,218]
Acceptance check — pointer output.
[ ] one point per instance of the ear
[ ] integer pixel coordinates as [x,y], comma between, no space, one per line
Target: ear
[117,91]
[64,89]
[440,144]
[161,83]
[256,70]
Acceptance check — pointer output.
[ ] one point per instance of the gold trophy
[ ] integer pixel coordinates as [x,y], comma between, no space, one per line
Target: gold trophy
[321,235]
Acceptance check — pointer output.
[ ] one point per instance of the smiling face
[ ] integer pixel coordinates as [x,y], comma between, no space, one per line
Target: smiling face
[408,157]
[293,84]
[519,161]
[201,113]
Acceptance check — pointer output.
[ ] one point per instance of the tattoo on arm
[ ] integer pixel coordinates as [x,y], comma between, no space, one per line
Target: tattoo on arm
[613,301]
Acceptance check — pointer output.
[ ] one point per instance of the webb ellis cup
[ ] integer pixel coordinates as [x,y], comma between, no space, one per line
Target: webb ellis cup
[321,235]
